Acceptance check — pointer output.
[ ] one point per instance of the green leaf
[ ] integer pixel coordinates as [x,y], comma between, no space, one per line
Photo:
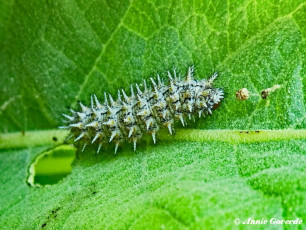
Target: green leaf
[174,184]
[53,53]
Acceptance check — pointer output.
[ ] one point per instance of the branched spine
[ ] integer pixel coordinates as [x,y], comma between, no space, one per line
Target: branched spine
[144,112]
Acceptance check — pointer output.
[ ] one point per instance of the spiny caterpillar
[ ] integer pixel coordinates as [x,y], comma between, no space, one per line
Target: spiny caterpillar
[144,112]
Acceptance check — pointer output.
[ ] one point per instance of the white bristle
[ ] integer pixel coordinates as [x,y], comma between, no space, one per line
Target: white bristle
[128,118]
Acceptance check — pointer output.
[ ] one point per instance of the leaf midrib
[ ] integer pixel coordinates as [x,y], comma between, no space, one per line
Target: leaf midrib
[45,137]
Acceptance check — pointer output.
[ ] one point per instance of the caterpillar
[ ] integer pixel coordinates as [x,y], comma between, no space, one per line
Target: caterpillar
[145,111]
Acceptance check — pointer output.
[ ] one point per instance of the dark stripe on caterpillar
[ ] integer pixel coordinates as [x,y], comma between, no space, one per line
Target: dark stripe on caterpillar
[144,112]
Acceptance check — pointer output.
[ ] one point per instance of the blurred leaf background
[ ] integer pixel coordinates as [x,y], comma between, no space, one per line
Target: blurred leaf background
[53,53]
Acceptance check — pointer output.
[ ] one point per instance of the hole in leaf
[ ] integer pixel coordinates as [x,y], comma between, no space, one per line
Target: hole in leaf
[51,166]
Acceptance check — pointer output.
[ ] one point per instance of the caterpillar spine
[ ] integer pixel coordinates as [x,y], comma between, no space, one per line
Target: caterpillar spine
[146,111]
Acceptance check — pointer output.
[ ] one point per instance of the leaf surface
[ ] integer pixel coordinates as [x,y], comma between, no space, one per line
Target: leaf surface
[53,53]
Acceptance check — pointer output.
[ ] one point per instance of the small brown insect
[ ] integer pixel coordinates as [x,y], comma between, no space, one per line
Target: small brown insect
[266,92]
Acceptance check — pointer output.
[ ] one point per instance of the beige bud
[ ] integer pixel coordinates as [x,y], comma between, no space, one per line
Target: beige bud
[242,94]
